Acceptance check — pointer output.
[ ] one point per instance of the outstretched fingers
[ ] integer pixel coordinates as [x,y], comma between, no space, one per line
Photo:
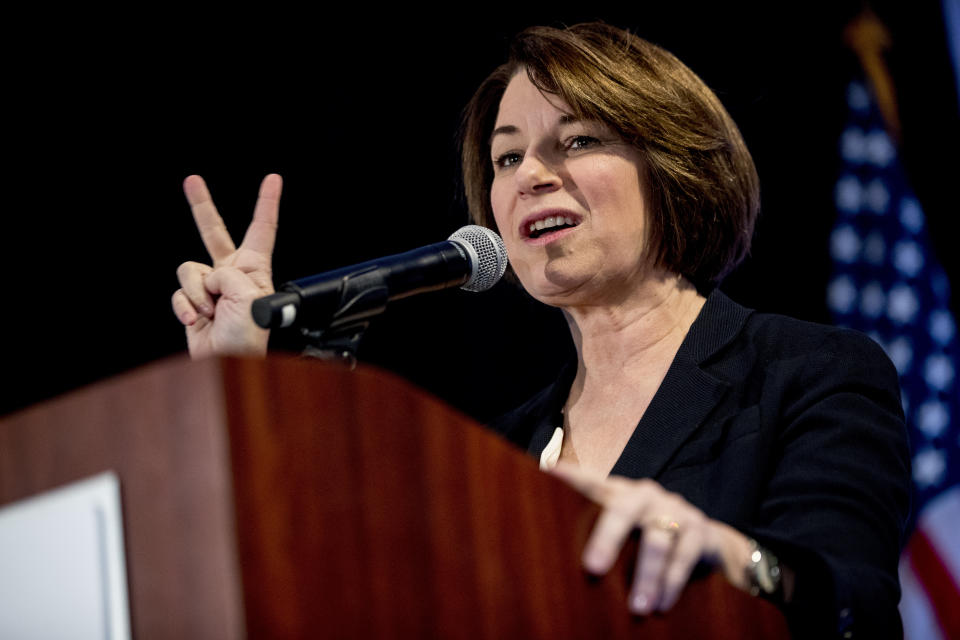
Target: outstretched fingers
[656,549]
[674,535]
[609,534]
[214,233]
[687,552]
[262,232]
[624,503]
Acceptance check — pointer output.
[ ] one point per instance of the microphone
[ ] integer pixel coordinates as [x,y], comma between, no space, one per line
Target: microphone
[473,258]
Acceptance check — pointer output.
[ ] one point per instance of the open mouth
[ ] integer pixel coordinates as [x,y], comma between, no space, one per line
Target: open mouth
[549,224]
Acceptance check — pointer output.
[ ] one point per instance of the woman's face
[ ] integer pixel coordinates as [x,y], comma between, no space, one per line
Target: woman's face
[568,199]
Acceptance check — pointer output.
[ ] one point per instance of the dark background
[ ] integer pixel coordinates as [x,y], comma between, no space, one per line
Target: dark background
[358,111]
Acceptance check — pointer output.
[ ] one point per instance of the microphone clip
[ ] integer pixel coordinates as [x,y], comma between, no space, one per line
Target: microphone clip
[335,346]
[361,300]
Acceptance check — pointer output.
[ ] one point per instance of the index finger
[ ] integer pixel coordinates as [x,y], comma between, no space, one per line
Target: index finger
[213,232]
[262,231]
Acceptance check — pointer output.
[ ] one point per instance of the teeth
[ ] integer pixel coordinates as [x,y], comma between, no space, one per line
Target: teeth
[549,222]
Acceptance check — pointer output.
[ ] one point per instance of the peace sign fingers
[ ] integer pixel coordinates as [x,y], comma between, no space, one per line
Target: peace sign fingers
[214,233]
[213,301]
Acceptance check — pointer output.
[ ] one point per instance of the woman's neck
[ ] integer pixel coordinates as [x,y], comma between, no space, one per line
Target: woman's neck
[634,337]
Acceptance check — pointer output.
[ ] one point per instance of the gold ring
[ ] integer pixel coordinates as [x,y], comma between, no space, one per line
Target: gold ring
[668,524]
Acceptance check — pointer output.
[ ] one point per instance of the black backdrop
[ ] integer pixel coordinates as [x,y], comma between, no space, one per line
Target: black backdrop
[358,111]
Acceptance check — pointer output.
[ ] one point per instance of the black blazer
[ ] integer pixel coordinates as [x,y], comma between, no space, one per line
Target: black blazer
[793,433]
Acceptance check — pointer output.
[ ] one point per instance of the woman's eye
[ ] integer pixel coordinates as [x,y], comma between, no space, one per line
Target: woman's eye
[581,142]
[507,160]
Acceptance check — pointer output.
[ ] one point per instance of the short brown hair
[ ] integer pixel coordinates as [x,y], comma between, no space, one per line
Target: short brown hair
[701,180]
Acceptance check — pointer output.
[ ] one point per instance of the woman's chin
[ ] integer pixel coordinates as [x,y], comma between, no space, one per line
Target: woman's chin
[556,287]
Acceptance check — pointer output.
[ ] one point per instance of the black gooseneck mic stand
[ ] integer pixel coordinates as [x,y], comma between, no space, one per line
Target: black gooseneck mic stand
[334,309]
[340,338]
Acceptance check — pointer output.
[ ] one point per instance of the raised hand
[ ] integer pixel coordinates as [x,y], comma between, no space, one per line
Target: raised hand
[213,302]
[675,535]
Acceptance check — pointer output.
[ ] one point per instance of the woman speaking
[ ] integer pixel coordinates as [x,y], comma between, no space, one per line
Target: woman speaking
[770,448]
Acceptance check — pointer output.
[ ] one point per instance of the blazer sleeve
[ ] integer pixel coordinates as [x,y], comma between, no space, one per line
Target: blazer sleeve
[837,498]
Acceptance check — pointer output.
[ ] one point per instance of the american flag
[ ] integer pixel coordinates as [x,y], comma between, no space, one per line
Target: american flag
[887,283]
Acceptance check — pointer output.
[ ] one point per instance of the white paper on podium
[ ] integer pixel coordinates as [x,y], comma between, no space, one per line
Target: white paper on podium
[62,567]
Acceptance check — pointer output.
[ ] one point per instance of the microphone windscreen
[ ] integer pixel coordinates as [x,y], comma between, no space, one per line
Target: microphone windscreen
[487,255]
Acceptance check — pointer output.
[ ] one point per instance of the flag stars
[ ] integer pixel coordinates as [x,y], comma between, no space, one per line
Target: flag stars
[938,372]
[851,196]
[878,150]
[873,148]
[932,418]
[872,300]
[929,467]
[853,146]
[841,294]
[858,98]
[907,258]
[887,284]
[900,351]
[911,215]
[941,326]
[848,194]
[876,197]
[845,244]
[940,285]
[902,304]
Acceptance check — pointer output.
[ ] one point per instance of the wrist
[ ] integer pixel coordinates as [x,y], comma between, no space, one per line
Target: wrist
[750,571]
[733,554]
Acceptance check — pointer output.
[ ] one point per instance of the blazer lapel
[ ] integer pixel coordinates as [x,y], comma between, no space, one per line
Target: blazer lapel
[687,395]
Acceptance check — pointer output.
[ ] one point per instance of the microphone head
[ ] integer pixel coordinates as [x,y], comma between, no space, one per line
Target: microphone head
[486,253]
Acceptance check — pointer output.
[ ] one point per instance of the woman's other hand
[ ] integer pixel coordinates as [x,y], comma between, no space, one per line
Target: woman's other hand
[213,302]
[674,536]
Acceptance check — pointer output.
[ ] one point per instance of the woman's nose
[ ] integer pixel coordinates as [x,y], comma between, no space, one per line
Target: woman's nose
[535,176]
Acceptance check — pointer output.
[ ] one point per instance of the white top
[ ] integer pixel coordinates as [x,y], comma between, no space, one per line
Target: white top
[551,453]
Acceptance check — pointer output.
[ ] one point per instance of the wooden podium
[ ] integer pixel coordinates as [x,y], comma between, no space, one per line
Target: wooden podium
[289,498]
